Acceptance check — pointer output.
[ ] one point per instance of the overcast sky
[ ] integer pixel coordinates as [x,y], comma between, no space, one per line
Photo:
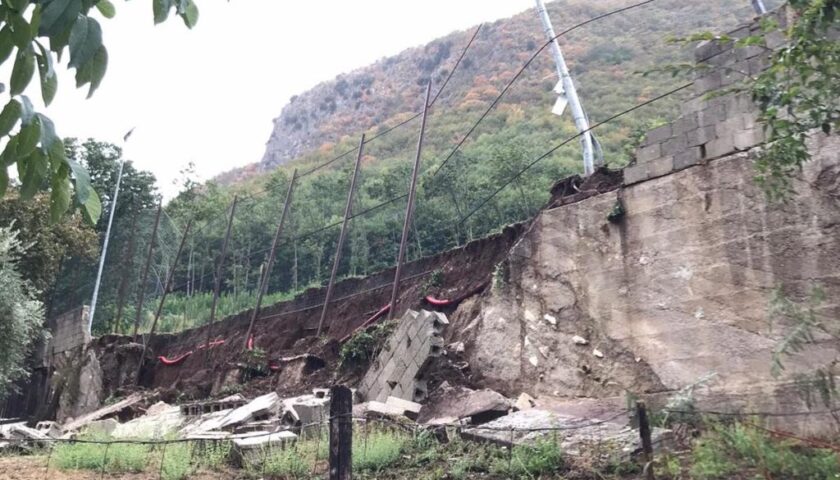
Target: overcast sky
[209,94]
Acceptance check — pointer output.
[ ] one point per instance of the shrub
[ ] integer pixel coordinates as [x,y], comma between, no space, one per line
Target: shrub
[362,346]
[376,450]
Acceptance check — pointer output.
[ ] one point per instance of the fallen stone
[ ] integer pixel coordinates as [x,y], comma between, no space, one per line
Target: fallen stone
[598,353]
[458,402]
[457,347]
[409,409]
[376,409]
[101,427]
[110,410]
[580,340]
[525,402]
[576,435]
[550,319]
[161,422]
[257,409]
[49,428]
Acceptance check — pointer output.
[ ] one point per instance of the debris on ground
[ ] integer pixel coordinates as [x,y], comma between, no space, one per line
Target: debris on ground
[575,434]
[449,403]
[108,411]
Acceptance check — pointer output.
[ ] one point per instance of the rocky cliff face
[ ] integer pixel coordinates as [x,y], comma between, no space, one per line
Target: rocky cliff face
[604,54]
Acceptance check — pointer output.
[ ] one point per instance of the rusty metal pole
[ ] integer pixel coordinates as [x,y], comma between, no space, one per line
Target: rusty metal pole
[267,273]
[128,259]
[409,209]
[343,236]
[218,287]
[145,276]
[170,277]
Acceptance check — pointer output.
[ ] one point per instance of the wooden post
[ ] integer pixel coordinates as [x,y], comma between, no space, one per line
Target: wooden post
[409,209]
[342,237]
[170,277]
[218,287]
[267,273]
[341,433]
[128,259]
[145,276]
[647,445]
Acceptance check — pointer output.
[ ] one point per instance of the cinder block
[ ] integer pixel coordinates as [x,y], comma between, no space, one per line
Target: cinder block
[686,123]
[723,145]
[709,82]
[674,145]
[658,134]
[708,49]
[757,65]
[775,39]
[691,156]
[700,136]
[711,115]
[726,57]
[635,174]
[648,153]
[661,166]
[746,139]
[748,52]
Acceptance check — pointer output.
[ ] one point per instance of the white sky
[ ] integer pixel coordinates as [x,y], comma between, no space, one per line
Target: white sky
[209,94]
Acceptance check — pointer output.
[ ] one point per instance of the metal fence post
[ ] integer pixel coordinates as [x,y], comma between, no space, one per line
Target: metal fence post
[145,276]
[218,287]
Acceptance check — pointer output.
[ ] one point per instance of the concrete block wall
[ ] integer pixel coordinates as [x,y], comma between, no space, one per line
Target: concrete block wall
[69,331]
[398,369]
[713,123]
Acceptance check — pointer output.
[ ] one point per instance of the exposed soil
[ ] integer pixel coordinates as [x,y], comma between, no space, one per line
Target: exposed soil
[288,329]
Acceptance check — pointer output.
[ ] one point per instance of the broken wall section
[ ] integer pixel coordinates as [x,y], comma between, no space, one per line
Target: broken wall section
[398,370]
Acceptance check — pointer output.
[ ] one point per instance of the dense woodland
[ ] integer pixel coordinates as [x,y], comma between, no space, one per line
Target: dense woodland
[607,57]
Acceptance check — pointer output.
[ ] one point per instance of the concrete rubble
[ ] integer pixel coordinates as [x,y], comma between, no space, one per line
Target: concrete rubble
[110,410]
[575,434]
[449,404]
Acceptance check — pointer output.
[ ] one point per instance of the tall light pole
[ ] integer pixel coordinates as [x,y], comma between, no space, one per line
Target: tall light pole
[107,238]
[568,94]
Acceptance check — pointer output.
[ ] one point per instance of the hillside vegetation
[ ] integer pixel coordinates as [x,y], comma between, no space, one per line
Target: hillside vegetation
[606,57]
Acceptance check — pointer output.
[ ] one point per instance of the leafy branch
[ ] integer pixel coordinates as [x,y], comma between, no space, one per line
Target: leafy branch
[26,27]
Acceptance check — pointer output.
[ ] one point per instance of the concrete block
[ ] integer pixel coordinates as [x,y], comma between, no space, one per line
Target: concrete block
[690,156]
[709,82]
[723,145]
[746,139]
[410,409]
[635,174]
[648,153]
[700,136]
[726,57]
[750,51]
[711,114]
[674,145]
[658,135]
[757,65]
[686,123]
[708,49]
[661,166]
[775,39]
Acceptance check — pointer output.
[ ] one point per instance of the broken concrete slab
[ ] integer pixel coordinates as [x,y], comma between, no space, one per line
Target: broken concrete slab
[104,412]
[374,409]
[19,431]
[256,409]
[265,439]
[575,434]
[479,406]
[525,402]
[409,409]
[307,412]
[200,408]
[101,427]
[206,423]
[163,420]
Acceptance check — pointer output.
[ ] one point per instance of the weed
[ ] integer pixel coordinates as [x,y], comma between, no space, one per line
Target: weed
[739,448]
[378,449]
[176,461]
[113,458]
[281,463]
[360,349]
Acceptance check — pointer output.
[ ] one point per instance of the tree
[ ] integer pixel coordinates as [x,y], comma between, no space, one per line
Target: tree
[26,27]
[21,314]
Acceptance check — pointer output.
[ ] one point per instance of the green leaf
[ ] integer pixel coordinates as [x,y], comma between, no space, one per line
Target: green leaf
[18,5]
[85,40]
[161,9]
[58,16]
[28,138]
[190,15]
[9,157]
[81,181]
[106,8]
[37,166]
[22,71]
[21,32]
[48,138]
[46,71]
[60,196]
[27,111]
[98,66]
[6,43]
[92,208]
[9,117]
[4,181]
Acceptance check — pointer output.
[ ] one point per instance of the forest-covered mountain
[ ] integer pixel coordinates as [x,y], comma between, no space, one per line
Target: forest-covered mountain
[606,57]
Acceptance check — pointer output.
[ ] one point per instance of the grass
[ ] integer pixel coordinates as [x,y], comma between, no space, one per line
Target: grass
[729,449]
